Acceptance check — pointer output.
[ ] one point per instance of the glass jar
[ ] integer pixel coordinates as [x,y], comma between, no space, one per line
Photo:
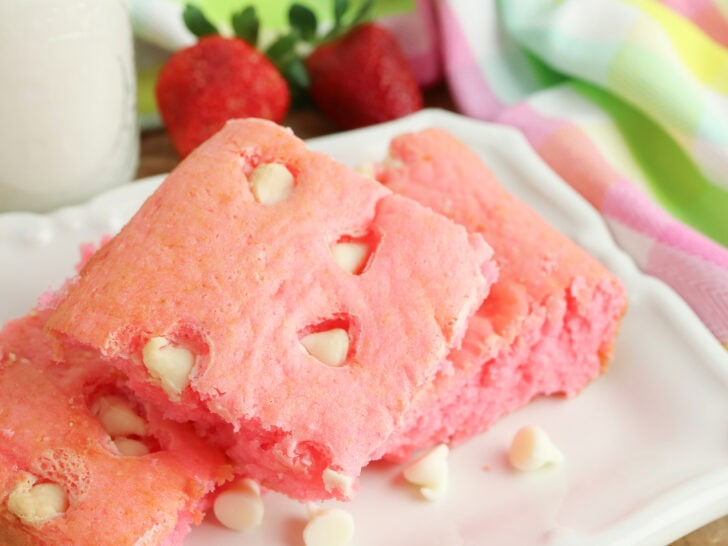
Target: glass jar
[67,101]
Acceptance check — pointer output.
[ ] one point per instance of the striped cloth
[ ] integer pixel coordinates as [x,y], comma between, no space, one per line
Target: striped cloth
[625,99]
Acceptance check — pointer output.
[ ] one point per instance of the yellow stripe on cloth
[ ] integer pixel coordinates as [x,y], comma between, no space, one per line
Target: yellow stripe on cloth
[707,60]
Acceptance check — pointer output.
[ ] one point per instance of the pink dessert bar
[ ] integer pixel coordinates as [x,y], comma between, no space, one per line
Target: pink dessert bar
[290,307]
[82,461]
[549,324]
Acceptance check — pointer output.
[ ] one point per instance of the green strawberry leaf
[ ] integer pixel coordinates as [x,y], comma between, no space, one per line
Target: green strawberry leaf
[344,21]
[363,14]
[282,49]
[303,21]
[295,72]
[196,22]
[246,25]
[340,8]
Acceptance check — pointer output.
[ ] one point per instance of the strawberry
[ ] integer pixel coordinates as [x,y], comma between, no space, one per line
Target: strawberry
[362,78]
[214,80]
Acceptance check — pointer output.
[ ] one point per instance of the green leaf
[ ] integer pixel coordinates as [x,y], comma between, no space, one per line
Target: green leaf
[246,25]
[303,21]
[363,14]
[298,82]
[295,72]
[283,48]
[196,22]
[340,7]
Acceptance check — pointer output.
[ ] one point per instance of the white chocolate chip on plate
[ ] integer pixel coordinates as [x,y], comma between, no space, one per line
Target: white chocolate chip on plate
[329,346]
[271,183]
[170,364]
[37,503]
[532,449]
[430,472]
[240,506]
[328,527]
[117,417]
[350,256]
[130,447]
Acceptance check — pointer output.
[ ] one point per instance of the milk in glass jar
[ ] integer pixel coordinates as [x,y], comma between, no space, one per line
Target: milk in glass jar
[67,101]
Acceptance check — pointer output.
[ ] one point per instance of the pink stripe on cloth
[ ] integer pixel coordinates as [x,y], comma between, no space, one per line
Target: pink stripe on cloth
[631,206]
[534,126]
[574,156]
[702,285]
[467,83]
[688,8]
[691,264]
[684,238]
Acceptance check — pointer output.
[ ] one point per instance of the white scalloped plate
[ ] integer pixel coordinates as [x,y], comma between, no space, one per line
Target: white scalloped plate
[646,446]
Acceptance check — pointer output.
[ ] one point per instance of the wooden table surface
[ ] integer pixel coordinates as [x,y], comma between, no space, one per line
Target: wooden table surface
[158,156]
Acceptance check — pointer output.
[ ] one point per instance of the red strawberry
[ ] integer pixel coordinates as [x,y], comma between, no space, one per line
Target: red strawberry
[363,78]
[217,79]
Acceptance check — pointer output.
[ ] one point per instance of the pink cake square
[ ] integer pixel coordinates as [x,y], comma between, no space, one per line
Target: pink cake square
[549,324]
[76,467]
[208,299]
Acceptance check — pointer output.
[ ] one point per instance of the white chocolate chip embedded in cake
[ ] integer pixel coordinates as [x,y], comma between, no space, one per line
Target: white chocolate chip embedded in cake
[129,447]
[350,256]
[367,168]
[430,472]
[337,481]
[168,363]
[328,527]
[35,503]
[271,183]
[532,449]
[118,417]
[240,506]
[329,346]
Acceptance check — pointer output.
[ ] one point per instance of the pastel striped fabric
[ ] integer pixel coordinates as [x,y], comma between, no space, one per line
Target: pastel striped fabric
[627,100]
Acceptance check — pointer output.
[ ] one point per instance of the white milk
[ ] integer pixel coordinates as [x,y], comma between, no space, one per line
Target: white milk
[67,101]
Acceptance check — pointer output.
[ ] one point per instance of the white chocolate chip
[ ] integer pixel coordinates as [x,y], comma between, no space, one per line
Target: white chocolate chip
[391,162]
[350,256]
[329,527]
[531,449]
[330,346]
[430,472]
[170,364]
[367,169]
[130,447]
[118,418]
[339,481]
[35,504]
[240,507]
[271,183]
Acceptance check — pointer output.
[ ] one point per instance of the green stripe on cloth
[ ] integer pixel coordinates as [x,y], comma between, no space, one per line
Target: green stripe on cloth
[673,178]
